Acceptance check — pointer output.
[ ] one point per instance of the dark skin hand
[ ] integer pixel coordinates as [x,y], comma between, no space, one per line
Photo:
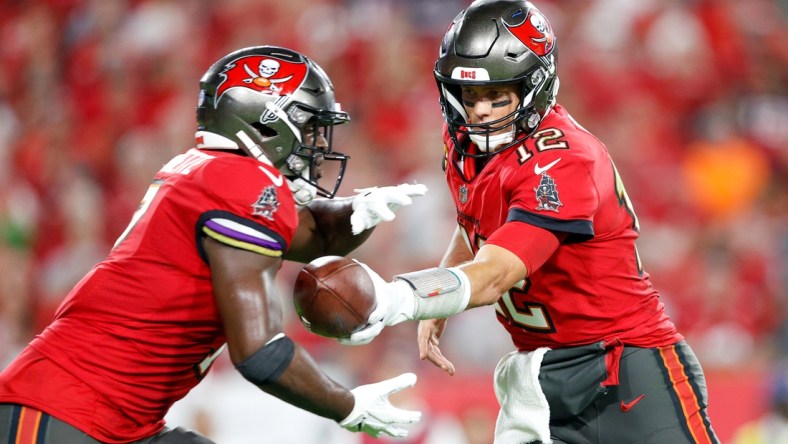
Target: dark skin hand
[251,309]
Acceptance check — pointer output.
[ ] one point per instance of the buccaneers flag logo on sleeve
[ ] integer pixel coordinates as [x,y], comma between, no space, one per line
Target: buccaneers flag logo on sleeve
[547,194]
[264,74]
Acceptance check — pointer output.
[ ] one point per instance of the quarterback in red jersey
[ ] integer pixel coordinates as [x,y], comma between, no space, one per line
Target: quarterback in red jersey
[546,233]
[194,273]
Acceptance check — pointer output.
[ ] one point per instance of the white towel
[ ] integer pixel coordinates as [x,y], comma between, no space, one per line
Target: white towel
[524,414]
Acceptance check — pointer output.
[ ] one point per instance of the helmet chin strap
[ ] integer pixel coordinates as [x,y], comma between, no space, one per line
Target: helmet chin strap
[253,148]
[486,143]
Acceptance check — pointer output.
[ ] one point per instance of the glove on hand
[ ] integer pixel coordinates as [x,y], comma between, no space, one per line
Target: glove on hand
[303,191]
[395,303]
[374,415]
[374,205]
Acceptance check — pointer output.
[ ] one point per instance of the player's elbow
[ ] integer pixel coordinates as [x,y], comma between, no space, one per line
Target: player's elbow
[488,295]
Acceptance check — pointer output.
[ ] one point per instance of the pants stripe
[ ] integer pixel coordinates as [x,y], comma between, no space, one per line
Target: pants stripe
[28,426]
[42,429]
[686,396]
[27,430]
[14,425]
[708,432]
[669,384]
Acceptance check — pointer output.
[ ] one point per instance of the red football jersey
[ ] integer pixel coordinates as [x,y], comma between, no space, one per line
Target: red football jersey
[593,287]
[141,329]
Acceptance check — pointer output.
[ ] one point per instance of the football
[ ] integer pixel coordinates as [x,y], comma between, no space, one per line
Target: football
[333,296]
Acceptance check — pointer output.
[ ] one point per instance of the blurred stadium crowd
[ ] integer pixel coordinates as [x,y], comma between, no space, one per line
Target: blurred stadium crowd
[690,96]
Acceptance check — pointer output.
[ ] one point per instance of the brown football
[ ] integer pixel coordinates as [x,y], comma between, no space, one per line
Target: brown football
[333,296]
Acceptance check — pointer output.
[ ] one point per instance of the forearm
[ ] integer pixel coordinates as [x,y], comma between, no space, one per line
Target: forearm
[491,274]
[284,369]
[332,219]
[305,386]
[324,230]
[458,251]
[445,291]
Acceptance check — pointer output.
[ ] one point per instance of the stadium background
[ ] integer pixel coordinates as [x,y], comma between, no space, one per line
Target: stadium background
[691,97]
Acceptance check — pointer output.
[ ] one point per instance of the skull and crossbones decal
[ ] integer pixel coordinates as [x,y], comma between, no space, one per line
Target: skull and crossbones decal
[264,75]
[261,73]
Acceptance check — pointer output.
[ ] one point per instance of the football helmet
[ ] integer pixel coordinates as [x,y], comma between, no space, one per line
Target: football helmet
[275,105]
[497,42]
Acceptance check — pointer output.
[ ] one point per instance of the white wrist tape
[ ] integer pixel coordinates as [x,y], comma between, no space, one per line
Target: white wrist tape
[441,292]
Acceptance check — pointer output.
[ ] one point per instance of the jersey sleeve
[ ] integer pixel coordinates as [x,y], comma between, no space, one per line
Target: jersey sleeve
[555,191]
[533,245]
[253,207]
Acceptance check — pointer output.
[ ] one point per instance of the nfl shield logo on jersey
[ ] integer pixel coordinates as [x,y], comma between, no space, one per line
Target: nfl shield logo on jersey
[267,203]
[463,194]
[547,194]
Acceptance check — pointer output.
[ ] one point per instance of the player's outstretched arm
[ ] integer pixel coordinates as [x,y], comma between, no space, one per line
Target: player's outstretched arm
[338,226]
[444,291]
[324,230]
[440,292]
[252,317]
[372,206]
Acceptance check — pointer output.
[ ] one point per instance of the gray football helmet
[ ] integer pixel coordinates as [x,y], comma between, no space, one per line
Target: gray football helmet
[497,42]
[275,105]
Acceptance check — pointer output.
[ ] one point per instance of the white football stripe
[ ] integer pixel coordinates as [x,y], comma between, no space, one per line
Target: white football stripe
[240,228]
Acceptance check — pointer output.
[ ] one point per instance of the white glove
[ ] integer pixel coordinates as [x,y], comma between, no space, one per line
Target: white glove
[374,415]
[395,303]
[374,205]
[303,191]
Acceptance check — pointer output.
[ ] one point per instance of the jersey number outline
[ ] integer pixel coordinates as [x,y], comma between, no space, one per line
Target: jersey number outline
[512,306]
[181,164]
[147,199]
[201,368]
[624,201]
[546,139]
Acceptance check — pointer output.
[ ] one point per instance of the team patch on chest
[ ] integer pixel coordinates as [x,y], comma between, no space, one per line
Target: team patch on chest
[547,194]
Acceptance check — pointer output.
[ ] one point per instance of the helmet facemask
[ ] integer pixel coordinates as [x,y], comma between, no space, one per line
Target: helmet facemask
[313,156]
[497,42]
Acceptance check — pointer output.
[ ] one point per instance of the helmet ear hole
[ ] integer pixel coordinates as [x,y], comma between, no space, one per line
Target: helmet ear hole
[265,131]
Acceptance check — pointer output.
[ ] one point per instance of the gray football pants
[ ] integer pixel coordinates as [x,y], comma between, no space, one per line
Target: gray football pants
[25,425]
[661,398]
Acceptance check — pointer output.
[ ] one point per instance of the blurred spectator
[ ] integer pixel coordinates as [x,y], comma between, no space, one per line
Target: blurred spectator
[772,428]
[691,98]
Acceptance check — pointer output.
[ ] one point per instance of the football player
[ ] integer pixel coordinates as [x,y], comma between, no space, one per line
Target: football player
[546,233]
[194,273]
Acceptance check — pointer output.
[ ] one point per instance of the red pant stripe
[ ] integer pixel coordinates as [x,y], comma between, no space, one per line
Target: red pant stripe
[27,430]
[686,395]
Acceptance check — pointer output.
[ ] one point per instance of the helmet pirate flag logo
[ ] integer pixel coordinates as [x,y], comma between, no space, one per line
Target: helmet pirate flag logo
[264,74]
[534,31]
